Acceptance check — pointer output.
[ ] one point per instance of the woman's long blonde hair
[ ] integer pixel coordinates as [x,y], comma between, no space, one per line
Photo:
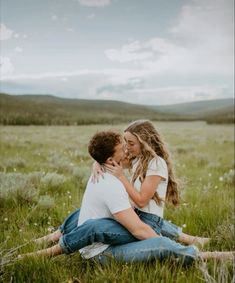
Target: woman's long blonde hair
[152,146]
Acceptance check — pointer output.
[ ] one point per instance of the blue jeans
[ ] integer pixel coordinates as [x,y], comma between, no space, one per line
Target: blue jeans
[124,246]
[158,248]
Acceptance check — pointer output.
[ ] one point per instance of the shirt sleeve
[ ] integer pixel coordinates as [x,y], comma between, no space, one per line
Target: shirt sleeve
[157,167]
[117,198]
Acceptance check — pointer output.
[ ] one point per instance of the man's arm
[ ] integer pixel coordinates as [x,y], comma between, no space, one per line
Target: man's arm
[130,220]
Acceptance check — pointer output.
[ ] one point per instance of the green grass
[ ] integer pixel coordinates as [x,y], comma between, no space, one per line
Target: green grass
[43,172]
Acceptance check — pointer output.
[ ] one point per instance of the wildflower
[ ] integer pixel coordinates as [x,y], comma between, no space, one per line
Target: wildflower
[184,225]
[209,174]
[35,224]
[6,219]
[50,229]
[14,169]
[70,196]
[221,179]
[69,211]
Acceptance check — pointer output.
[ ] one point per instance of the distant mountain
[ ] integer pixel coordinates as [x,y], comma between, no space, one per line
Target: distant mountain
[219,116]
[51,110]
[211,111]
[198,108]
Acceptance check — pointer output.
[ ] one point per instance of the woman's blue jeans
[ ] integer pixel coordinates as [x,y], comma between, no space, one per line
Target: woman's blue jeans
[124,246]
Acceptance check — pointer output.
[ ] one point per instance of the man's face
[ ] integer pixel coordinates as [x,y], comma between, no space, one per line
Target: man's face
[119,153]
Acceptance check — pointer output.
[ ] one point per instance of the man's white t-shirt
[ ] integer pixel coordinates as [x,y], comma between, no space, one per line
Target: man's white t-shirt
[100,200]
[157,167]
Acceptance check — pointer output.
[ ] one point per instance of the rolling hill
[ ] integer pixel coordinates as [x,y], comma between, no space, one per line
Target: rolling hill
[51,110]
[198,108]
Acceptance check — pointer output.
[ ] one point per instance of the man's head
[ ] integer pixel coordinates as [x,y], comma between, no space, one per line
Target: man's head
[106,146]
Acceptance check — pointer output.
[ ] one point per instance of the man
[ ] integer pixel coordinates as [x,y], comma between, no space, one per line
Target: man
[108,198]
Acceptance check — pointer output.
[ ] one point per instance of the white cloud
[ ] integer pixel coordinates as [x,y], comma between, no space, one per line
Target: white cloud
[94,3]
[125,85]
[158,70]
[70,29]
[49,75]
[91,16]
[6,66]
[176,94]
[54,17]
[64,79]
[5,33]
[129,52]
[201,42]
[18,49]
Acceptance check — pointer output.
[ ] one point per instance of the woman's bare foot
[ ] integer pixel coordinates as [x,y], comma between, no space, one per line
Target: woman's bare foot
[217,255]
[194,240]
[200,242]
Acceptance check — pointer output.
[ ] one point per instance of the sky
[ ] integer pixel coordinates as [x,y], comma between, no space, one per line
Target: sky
[152,52]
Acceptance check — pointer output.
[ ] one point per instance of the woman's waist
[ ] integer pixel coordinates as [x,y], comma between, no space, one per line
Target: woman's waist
[143,215]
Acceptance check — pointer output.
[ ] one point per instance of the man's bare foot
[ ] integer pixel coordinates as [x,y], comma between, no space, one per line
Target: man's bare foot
[53,237]
[53,251]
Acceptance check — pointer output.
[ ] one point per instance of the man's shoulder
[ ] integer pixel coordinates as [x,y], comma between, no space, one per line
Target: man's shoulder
[106,180]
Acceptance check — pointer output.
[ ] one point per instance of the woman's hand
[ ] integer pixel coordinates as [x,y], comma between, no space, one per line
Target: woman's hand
[96,172]
[115,169]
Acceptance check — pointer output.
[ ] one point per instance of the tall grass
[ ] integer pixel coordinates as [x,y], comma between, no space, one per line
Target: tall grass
[43,175]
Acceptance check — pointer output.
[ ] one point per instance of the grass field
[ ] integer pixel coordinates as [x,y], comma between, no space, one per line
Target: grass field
[43,172]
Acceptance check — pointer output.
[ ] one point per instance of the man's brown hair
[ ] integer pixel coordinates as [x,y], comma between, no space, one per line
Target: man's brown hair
[102,145]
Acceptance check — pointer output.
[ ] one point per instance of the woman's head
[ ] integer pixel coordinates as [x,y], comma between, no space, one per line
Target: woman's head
[141,137]
[145,142]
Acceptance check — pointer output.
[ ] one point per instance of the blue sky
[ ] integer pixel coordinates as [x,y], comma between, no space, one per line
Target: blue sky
[145,52]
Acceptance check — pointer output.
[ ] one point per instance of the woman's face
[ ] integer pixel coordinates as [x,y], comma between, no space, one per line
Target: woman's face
[132,144]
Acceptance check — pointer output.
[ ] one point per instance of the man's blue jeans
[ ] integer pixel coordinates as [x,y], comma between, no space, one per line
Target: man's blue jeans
[124,246]
[158,248]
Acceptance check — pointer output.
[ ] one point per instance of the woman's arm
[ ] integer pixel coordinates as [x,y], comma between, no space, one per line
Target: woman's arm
[147,190]
[96,172]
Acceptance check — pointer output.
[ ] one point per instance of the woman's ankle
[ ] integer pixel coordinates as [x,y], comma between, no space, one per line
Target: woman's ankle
[217,255]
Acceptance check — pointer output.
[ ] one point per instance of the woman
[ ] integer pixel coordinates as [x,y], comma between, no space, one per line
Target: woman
[153,182]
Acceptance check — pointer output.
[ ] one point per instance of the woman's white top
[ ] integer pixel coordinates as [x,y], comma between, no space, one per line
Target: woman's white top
[157,167]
